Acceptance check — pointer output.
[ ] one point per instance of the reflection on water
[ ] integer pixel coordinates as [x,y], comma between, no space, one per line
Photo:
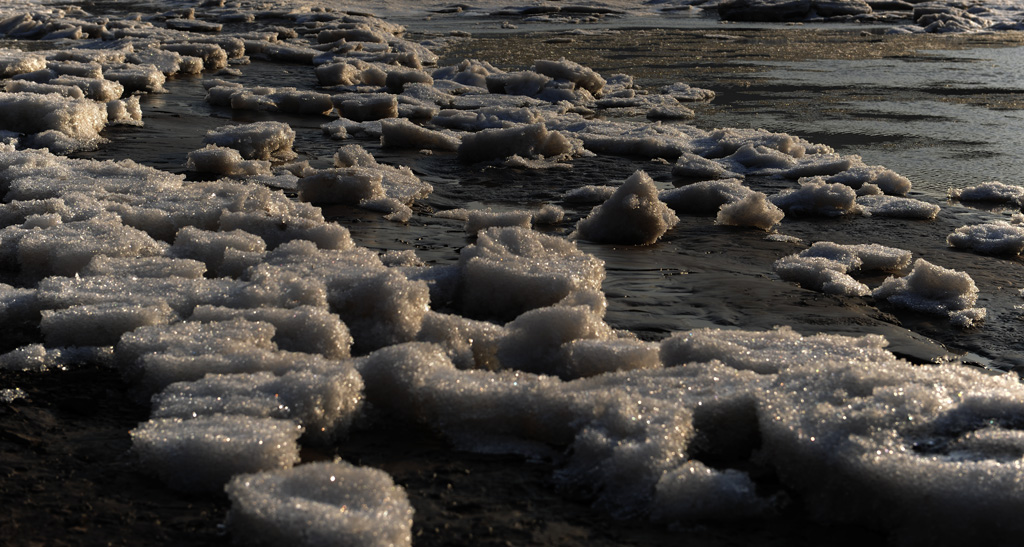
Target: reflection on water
[946,119]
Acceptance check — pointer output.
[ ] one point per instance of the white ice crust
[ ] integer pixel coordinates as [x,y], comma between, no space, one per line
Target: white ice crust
[998,238]
[633,215]
[319,504]
[934,289]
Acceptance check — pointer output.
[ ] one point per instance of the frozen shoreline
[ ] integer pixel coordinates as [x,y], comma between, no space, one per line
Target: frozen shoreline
[277,269]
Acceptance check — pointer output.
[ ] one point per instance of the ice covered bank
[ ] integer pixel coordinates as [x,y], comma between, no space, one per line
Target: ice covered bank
[260,328]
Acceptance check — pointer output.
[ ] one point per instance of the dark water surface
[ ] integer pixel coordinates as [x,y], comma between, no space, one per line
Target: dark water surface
[940,110]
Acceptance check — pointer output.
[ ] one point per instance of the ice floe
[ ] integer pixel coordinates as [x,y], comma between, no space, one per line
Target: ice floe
[997,238]
[320,504]
[827,266]
[933,289]
[203,453]
[817,197]
[993,191]
[633,215]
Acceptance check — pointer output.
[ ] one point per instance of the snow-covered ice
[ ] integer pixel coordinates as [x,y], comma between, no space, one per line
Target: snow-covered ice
[321,503]
[933,289]
[632,215]
[827,266]
[201,454]
[999,237]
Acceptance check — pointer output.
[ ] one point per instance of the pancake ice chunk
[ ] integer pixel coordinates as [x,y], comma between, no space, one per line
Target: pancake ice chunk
[65,248]
[898,207]
[541,341]
[349,186]
[227,162]
[996,238]
[510,270]
[201,454]
[149,266]
[469,72]
[95,88]
[258,140]
[213,56]
[751,158]
[692,166]
[39,358]
[78,121]
[828,267]
[695,491]
[890,182]
[467,342]
[100,324]
[924,452]
[683,92]
[821,274]
[528,141]
[320,504]
[815,197]
[503,410]
[269,99]
[399,183]
[993,191]
[366,107]
[379,305]
[821,165]
[13,62]
[145,78]
[156,371]
[307,329]
[549,214]
[350,72]
[589,194]
[724,142]
[212,247]
[592,356]
[196,338]
[495,116]
[19,307]
[633,215]
[170,63]
[564,69]
[754,210]
[933,289]
[279,226]
[397,79]
[181,294]
[324,403]
[864,257]
[477,220]
[126,111]
[402,133]
[24,86]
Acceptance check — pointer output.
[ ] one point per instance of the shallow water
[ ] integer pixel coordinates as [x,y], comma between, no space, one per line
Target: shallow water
[888,106]
[947,118]
[885,101]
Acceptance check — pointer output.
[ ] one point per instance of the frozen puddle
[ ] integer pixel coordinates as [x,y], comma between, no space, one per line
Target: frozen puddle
[257,327]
